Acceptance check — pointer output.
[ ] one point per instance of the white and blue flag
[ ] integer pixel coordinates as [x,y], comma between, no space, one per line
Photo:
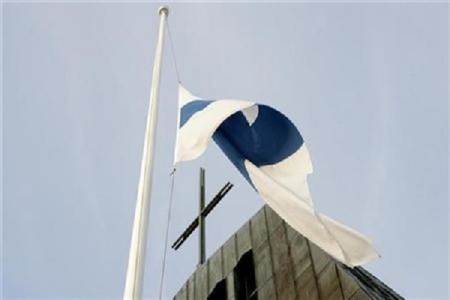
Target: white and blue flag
[269,151]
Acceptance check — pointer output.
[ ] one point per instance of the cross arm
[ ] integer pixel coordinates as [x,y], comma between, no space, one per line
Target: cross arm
[183,237]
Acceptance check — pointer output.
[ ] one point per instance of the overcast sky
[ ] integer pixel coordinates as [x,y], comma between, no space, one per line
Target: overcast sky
[366,84]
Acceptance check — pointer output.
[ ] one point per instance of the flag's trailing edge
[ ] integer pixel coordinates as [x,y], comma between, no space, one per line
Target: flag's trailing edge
[270,153]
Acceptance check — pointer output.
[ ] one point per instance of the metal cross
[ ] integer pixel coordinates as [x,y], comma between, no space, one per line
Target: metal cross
[200,220]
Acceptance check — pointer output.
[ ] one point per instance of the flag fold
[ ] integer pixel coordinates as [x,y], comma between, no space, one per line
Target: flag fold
[269,151]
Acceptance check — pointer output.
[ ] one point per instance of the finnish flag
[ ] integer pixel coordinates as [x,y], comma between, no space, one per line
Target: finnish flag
[270,153]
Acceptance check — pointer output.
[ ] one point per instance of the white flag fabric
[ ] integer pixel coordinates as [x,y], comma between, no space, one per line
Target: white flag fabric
[270,153]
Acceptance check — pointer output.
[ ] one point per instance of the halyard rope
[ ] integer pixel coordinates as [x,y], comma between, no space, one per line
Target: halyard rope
[172,50]
[172,175]
[169,213]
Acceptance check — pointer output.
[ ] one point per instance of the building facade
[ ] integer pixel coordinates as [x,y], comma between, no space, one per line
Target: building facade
[267,259]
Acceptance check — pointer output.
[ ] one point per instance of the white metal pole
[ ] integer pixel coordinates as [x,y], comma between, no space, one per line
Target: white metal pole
[136,261]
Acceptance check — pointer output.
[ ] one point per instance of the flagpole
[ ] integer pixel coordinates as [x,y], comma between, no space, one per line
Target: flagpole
[136,261]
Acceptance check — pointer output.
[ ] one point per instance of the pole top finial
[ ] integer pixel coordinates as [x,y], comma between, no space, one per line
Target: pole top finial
[163,9]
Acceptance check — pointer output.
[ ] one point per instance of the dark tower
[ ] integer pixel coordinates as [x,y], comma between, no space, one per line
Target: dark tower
[267,260]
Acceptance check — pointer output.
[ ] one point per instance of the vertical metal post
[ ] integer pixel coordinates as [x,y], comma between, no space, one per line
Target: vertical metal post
[201,219]
[136,260]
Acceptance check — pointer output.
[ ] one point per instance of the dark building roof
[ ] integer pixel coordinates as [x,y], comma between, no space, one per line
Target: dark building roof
[267,259]
[373,287]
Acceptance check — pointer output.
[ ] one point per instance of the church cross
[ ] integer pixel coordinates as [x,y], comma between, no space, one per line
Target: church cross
[200,220]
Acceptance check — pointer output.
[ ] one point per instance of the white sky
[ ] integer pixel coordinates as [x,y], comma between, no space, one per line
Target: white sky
[366,83]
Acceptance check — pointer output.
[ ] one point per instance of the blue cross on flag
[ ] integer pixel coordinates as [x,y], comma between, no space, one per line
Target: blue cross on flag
[269,151]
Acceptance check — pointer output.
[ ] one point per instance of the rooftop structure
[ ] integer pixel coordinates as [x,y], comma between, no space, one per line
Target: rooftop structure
[267,259]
